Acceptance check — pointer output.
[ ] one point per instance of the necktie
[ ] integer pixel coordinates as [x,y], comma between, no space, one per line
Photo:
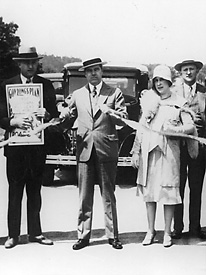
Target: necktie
[94,99]
[28,80]
[94,92]
[190,95]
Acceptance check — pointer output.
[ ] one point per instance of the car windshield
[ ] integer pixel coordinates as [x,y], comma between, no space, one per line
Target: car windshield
[126,85]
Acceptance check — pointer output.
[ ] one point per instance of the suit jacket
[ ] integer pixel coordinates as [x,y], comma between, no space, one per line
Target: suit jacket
[49,103]
[96,128]
[197,104]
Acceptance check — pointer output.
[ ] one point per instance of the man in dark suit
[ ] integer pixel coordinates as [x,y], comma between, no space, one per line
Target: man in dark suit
[98,108]
[25,163]
[191,169]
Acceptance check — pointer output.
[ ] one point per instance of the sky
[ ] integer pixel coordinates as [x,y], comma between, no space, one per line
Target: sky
[119,31]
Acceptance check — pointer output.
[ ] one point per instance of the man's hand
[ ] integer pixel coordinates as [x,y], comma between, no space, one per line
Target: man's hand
[42,113]
[65,113]
[21,122]
[105,109]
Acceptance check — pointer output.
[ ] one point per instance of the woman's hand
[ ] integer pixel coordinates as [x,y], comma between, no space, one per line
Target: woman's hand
[135,160]
[172,127]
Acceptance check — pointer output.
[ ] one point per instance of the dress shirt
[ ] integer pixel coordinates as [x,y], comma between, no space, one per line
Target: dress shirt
[188,93]
[98,88]
[24,79]
[94,99]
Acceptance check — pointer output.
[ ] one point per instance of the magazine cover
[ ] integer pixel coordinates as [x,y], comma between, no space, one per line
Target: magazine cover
[24,100]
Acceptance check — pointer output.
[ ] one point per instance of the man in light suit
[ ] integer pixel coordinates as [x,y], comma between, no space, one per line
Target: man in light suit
[98,108]
[25,163]
[191,169]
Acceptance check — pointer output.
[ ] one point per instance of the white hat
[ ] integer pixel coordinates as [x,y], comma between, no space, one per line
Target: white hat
[26,53]
[162,71]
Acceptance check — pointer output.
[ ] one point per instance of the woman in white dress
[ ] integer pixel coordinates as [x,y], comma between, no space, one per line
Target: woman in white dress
[157,156]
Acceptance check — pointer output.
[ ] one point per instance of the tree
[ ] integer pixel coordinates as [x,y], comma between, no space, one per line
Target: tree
[202,76]
[53,64]
[9,44]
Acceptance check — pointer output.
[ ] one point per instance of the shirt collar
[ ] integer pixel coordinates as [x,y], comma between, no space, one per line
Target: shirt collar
[98,87]
[24,79]
[187,87]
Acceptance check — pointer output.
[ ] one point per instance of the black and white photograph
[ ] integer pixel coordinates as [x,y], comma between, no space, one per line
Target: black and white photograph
[102,137]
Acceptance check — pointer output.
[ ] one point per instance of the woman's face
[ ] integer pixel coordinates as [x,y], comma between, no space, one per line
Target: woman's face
[161,85]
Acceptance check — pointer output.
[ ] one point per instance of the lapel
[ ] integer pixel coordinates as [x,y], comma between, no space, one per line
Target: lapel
[16,80]
[86,99]
[35,79]
[201,97]
[200,88]
[103,96]
[182,93]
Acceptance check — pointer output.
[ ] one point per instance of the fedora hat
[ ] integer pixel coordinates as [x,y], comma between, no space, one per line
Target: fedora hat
[198,64]
[91,62]
[27,53]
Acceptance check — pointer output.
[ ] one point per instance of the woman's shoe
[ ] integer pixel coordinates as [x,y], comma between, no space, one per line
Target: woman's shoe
[167,240]
[149,238]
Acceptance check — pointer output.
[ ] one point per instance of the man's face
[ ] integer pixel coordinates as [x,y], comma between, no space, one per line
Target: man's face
[189,73]
[28,67]
[94,75]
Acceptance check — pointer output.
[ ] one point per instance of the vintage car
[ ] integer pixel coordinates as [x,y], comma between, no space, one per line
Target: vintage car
[61,161]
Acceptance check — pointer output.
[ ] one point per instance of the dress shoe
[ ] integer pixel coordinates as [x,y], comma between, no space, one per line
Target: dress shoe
[167,240]
[149,238]
[197,234]
[176,234]
[80,244]
[40,239]
[116,244]
[11,242]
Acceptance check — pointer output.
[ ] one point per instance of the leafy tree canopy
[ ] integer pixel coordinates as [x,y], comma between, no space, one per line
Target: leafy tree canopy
[9,44]
[54,64]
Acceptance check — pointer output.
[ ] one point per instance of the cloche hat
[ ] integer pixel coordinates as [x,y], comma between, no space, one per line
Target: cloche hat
[91,62]
[27,53]
[164,72]
[198,64]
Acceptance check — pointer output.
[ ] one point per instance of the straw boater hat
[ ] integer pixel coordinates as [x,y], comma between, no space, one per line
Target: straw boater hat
[198,64]
[91,62]
[27,53]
